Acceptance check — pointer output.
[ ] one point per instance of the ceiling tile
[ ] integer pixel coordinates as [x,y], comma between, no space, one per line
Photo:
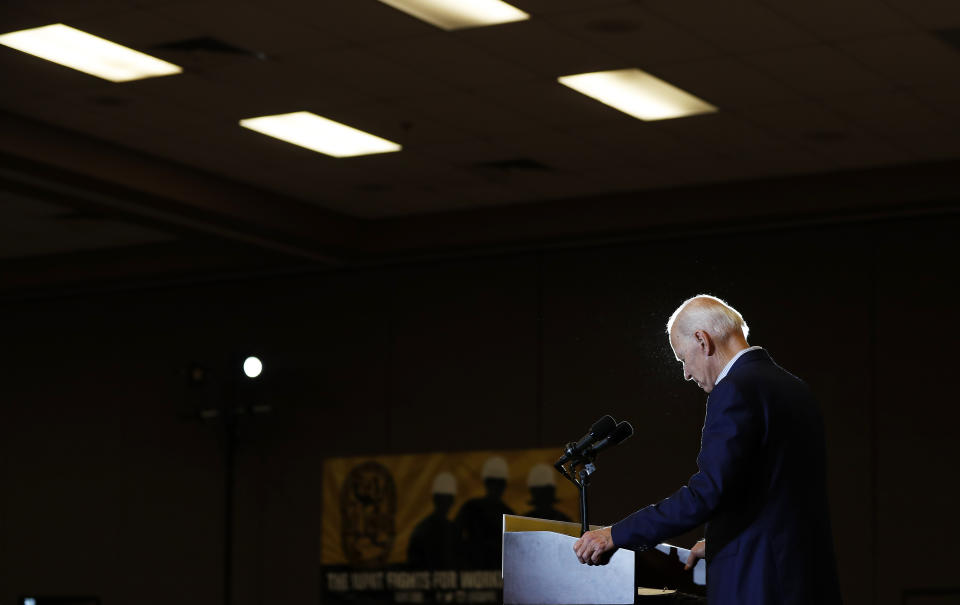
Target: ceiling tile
[540,47]
[490,194]
[407,200]
[726,82]
[464,152]
[559,186]
[944,99]
[842,19]
[139,29]
[806,122]
[271,87]
[635,142]
[64,11]
[817,71]
[892,113]
[932,14]
[15,16]
[771,163]
[697,171]
[254,27]
[862,151]
[357,21]
[35,76]
[372,73]
[907,59]
[549,103]
[481,114]
[633,178]
[633,34]
[186,93]
[549,7]
[560,153]
[720,133]
[115,118]
[453,61]
[737,26]
[397,123]
[782,161]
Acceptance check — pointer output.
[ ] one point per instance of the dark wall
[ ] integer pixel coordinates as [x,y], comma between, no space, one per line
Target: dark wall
[114,488]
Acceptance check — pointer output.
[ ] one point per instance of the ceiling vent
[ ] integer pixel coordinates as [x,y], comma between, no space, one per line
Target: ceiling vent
[499,171]
[950,36]
[209,45]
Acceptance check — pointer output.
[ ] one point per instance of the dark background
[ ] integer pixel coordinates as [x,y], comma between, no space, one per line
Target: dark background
[500,283]
[114,489]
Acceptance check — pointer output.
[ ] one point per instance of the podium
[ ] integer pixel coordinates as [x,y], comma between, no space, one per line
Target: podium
[540,567]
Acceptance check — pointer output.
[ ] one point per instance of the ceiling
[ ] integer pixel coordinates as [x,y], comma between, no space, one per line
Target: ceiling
[806,91]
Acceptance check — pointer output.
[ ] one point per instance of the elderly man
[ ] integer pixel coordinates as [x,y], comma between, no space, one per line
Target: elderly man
[761,485]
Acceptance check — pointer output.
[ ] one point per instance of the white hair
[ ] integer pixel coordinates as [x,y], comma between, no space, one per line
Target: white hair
[705,312]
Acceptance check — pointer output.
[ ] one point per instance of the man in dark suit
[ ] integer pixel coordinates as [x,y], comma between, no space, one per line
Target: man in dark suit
[761,485]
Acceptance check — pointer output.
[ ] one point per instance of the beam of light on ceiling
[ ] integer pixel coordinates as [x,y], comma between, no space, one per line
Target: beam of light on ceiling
[320,134]
[637,93]
[87,53]
[459,14]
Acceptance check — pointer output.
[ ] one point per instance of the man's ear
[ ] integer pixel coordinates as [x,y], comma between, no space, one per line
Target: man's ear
[705,343]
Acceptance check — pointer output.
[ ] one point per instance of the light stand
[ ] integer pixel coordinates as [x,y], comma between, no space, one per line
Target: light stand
[225,403]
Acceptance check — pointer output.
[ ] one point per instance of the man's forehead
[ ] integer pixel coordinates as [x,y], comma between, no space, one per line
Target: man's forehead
[673,343]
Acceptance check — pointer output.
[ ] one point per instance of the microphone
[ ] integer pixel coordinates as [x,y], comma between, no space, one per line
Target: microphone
[621,433]
[600,429]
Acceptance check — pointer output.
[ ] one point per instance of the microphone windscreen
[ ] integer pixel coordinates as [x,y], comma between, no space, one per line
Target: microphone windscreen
[620,434]
[603,427]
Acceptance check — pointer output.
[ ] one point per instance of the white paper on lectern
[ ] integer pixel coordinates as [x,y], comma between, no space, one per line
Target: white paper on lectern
[541,568]
[699,570]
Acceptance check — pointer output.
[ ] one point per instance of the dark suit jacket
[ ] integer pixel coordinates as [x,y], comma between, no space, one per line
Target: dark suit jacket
[761,489]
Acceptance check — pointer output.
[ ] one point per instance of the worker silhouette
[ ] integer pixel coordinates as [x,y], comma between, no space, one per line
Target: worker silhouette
[479,522]
[433,543]
[543,493]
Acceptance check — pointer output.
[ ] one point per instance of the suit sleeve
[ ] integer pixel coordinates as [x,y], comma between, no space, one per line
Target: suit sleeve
[731,435]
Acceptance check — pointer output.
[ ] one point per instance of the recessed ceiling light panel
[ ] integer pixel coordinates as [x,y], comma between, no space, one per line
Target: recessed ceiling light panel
[637,93]
[459,14]
[87,53]
[320,134]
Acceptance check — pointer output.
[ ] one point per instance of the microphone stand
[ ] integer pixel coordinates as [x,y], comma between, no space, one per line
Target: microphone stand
[581,479]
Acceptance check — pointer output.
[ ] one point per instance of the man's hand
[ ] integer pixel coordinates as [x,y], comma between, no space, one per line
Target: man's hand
[592,545]
[699,551]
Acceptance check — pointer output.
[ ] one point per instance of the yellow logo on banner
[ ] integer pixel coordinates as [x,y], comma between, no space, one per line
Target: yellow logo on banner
[435,511]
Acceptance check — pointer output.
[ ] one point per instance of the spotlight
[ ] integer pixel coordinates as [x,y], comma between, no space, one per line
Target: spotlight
[252,367]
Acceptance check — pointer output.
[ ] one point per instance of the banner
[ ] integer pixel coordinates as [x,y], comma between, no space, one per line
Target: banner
[427,527]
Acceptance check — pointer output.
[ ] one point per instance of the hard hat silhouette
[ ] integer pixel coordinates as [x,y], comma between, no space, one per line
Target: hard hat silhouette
[445,483]
[495,468]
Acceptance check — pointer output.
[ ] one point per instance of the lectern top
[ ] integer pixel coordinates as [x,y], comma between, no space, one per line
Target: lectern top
[512,523]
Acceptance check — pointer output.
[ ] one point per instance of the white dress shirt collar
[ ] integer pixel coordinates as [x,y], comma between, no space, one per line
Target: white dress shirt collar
[730,363]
